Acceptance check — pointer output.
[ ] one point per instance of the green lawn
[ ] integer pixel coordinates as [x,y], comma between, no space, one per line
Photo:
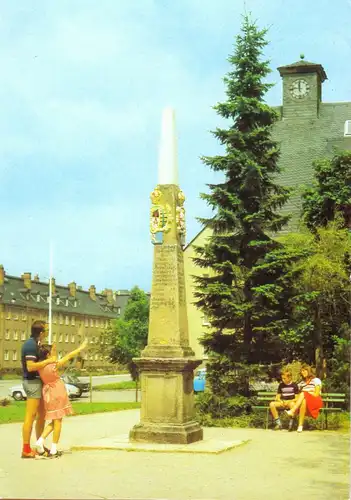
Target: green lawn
[11,376]
[15,411]
[116,386]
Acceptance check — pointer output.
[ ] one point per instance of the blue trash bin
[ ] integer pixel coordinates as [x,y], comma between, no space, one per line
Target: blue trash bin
[200,380]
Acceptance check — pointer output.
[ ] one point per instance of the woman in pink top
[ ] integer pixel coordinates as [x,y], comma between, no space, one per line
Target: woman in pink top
[55,397]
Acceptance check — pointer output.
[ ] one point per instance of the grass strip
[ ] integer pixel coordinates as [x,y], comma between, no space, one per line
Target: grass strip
[116,386]
[16,410]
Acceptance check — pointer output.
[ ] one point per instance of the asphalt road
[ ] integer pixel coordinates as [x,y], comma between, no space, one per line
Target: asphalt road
[98,396]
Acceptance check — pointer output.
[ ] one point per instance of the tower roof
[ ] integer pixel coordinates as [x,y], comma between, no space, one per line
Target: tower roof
[303,66]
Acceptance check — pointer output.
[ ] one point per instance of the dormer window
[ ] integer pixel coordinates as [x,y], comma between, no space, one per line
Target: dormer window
[48,300]
[58,301]
[75,303]
[38,297]
[347,128]
[66,302]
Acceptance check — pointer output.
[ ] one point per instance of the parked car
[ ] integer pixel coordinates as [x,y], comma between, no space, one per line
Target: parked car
[17,392]
[70,378]
[200,380]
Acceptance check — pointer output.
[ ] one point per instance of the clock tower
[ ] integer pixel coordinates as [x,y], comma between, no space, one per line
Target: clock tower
[302,89]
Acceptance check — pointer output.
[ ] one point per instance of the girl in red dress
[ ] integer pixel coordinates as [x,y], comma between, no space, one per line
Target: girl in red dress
[309,401]
[55,397]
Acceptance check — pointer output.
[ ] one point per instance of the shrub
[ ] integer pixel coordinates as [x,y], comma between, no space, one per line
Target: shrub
[222,407]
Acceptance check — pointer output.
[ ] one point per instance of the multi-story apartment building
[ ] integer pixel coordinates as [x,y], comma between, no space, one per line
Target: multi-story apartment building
[76,314]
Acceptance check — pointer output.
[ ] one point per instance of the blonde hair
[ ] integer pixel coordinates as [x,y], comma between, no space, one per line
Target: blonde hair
[310,371]
[286,371]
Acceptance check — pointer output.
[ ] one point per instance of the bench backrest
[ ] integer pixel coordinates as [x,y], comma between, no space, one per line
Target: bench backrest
[328,397]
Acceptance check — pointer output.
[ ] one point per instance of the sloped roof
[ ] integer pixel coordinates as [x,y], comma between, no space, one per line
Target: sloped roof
[13,292]
[303,66]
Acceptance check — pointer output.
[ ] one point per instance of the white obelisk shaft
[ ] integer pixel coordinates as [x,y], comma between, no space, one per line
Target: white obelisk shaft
[168,158]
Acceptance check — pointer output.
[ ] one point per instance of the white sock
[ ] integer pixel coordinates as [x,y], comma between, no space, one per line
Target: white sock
[300,428]
[53,450]
[40,444]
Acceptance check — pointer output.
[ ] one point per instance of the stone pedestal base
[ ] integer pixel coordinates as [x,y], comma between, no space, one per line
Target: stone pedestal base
[167,433]
[167,402]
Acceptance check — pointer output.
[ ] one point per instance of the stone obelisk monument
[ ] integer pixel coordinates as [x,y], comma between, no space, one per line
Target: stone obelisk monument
[167,363]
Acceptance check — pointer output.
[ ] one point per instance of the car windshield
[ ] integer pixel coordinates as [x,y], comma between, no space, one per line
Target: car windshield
[72,379]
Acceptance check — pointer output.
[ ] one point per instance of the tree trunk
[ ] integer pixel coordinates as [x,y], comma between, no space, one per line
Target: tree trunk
[318,343]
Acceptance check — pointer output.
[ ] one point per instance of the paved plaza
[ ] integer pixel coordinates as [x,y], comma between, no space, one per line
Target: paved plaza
[310,466]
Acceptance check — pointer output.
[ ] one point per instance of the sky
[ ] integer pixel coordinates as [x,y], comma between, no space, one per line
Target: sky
[83,85]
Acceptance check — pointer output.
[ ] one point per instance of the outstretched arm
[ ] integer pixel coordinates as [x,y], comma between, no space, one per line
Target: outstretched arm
[61,362]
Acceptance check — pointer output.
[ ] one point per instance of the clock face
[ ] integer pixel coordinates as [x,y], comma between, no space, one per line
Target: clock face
[299,89]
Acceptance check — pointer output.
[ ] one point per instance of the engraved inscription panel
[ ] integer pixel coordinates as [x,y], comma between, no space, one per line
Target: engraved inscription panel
[164,285]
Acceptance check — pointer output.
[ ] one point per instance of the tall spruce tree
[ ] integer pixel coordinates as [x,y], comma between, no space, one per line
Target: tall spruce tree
[235,293]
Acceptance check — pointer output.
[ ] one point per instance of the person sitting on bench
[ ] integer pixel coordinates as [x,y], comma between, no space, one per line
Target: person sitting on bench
[309,401]
[285,398]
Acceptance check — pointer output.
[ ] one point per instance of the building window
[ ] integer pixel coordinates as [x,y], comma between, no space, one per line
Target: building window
[15,335]
[15,315]
[38,298]
[86,321]
[106,323]
[61,319]
[66,302]
[72,339]
[118,310]
[54,336]
[7,335]
[14,356]
[91,322]
[24,316]
[54,318]
[48,299]
[96,357]
[57,301]
[8,315]
[66,337]
[73,320]
[75,303]
[66,320]
[60,337]
[91,357]
[347,128]
[6,355]
[96,323]
[23,335]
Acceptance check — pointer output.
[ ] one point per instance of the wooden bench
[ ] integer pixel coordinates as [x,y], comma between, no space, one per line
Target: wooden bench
[330,400]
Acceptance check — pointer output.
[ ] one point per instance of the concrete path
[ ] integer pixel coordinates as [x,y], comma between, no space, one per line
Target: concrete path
[310,466]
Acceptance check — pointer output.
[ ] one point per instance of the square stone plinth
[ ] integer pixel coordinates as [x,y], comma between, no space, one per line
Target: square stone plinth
[122,443]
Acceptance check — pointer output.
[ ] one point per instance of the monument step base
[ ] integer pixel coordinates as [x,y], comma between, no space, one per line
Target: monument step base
[122,443]
[186,433]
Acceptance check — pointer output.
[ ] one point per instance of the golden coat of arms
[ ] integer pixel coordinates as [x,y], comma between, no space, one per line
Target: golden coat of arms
[160,217]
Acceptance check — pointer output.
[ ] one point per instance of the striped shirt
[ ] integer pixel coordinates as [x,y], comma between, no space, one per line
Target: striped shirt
[310,385]
[287,391]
